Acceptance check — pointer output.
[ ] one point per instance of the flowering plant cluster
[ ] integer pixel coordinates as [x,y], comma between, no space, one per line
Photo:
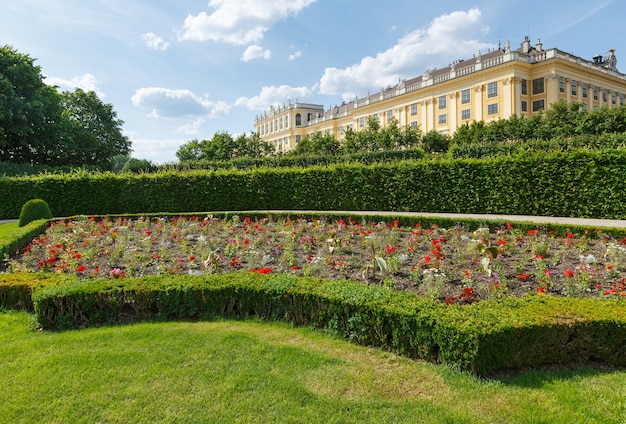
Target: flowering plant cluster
[450,264]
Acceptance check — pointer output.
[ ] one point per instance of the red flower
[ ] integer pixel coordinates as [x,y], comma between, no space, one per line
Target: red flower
[191,258]
[451,299]
[523,276]
[569,273]
[81,268]
[541,291]
[570,235]
[261,270]
[390,249]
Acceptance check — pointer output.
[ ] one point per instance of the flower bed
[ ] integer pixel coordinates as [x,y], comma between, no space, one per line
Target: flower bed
[449,264]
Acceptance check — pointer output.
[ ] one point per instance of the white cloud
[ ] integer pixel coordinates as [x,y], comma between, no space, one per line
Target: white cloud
[239,22]
[191,128]
[273,95]
[295,55]
[156,150]
[154,42]
[255,52]
[86,82]
[447,37]
[182,103]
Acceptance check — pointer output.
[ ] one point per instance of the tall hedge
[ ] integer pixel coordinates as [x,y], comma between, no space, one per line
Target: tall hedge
[576,184]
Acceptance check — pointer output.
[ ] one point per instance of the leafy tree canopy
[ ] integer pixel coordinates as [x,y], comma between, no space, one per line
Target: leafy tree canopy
[224,147]
[40,126]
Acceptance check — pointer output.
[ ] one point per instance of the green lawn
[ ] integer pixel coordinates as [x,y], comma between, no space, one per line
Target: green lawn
[8,227]
[252,372]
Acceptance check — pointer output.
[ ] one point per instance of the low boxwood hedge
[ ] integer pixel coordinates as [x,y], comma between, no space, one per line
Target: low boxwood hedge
[482,338]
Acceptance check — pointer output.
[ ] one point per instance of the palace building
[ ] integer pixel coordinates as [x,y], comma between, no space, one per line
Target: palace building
[489,86]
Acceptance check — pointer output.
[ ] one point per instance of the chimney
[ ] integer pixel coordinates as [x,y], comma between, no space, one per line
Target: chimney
[526,45]
[539,46]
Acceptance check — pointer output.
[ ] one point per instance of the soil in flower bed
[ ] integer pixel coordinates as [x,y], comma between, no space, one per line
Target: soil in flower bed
[448,264]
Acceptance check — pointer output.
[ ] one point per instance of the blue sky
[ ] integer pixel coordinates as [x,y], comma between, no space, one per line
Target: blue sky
[181,70]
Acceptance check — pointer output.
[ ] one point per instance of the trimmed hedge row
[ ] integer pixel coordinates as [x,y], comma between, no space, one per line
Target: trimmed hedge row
[483,338]
[289,161]
[560,144]
[577,184]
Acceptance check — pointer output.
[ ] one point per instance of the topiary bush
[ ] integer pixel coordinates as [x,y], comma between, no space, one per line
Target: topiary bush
[33,210]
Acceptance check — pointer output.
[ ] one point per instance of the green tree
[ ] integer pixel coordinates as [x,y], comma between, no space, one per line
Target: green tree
[252,146]
[190,151]
[220,147]
[92,133]
[435,142]
[30,112]
[318,143]
[122,163]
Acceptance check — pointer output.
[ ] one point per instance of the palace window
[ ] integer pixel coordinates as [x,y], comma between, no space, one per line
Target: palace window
[413,109]
[443,118]
[465,96]
[574,89]
[538,105]
[524,106]
[492,109]
[538,86]
[375,116]
[613,98]
[297,139]
[414,124]
[524,87]
[442,102]
[492,89]
[595,93]
[298,120]
[604,98]
[361,122]
[389,115]
[561,85]
[465,114]
[584,86]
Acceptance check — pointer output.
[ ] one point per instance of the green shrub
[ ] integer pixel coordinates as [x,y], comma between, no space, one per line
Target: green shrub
[576,183]
[482,338]
[33,210]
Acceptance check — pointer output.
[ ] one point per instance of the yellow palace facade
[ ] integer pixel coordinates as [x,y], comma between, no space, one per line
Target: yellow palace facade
[490,86]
